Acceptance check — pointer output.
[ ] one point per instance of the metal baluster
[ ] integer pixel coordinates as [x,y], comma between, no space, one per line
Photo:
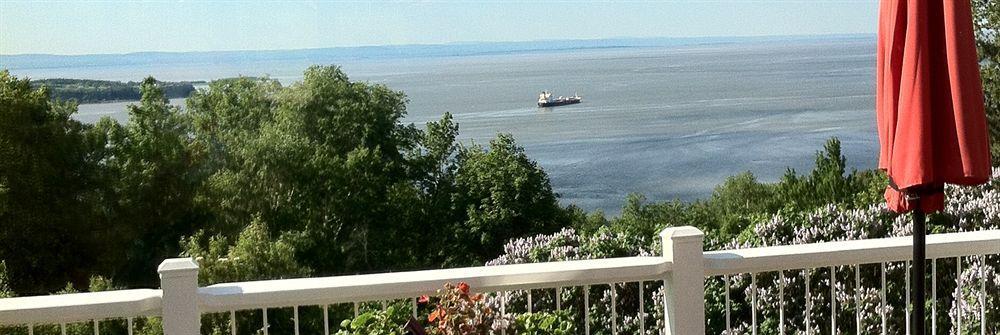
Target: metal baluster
[97,330]
[586,309]
[906,271]
[503,310]
[934,296]
[781,302]
[666,309]
[232,323]
[414,307]
[355,309]
[129,321]
[266,326]
[857,297]
[982,296]
[326,319]
[961,296]
[833,300]
[729,327]
[62,328]
[31,329]
[529,302]
[614,310]
[808,303]
[881,310]
[642,308]
[559,298]
[503,304]
[753,302]
[384,305]
[295,314]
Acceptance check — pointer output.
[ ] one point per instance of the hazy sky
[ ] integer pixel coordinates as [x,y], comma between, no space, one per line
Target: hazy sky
[86,27]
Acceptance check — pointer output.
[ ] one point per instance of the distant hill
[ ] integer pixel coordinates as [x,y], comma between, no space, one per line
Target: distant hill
[91,91]
[332,55]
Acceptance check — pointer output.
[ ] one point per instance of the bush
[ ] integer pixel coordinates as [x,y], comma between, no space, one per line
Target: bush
[545,323]
[378,322]
[458,312]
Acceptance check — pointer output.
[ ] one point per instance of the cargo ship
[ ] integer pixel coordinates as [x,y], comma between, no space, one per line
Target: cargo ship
[546,100]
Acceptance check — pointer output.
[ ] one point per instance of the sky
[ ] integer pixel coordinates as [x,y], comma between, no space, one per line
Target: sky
[100,27]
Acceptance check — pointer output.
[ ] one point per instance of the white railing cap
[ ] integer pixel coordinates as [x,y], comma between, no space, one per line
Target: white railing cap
[683,233]
[371,287]
[174,267]
[80,306]
[816,255]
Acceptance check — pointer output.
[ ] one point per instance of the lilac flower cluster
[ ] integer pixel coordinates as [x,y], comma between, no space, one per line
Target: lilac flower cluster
[967,209]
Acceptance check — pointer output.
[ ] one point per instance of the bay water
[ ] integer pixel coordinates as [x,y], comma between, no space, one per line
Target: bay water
[669,122]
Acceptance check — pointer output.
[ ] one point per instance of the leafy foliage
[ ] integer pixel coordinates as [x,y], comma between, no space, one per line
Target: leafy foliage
[253,256]
[377,322]
[986,19]
[545,323]
[503,193]
[5,291]
[50,219]
[151,181]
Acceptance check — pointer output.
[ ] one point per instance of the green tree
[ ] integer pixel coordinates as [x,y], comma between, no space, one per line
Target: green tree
[504,194]
[226,122]
[326,159]
[254,255]
[50,224]
[155,178]
[986,19]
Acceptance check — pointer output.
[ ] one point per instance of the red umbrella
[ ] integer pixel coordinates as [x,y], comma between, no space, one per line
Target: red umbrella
[931,120]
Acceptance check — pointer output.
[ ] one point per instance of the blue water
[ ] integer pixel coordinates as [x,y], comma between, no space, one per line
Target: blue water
[667,121]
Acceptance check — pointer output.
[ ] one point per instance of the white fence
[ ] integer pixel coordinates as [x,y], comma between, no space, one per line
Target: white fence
[683,269]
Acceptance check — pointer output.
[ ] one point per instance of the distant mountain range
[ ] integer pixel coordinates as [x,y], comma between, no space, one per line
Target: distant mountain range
[41,61]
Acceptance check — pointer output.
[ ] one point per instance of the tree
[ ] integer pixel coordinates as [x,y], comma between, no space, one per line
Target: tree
[504,194]
[50,224]
[326,160]
[986,19]
[155,177]
[226,122]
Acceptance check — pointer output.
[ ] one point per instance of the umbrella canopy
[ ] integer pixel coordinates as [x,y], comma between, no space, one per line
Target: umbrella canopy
[929,101]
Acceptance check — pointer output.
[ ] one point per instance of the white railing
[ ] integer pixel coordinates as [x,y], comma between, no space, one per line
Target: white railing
[854,254]
[683,269]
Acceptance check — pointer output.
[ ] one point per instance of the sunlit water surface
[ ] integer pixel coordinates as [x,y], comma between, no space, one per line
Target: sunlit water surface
[667,122]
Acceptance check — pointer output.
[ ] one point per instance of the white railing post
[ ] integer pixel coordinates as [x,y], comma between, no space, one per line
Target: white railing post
[684,297]
[179,281]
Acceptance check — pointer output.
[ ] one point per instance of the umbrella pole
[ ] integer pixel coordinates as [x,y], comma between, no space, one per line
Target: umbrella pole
[919,257]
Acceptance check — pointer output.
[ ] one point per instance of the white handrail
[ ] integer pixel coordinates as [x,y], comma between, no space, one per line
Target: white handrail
[64,308]
[383,286]
[682,266]
[818,255]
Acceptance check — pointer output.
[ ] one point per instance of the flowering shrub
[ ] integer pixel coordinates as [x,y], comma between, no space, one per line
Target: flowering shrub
[566,245]
[967,209]
[459,312]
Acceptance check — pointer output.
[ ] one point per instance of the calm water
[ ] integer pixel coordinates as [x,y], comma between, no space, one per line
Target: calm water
[668,122]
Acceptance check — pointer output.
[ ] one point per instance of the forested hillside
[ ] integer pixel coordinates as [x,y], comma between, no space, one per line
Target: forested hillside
[90,91]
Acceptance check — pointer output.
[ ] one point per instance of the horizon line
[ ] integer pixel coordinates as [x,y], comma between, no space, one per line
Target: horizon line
[470,42]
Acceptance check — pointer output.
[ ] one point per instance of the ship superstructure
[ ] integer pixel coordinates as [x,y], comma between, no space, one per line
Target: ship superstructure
[545,99]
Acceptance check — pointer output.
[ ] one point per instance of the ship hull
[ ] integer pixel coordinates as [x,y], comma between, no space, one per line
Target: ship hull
[559,103]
